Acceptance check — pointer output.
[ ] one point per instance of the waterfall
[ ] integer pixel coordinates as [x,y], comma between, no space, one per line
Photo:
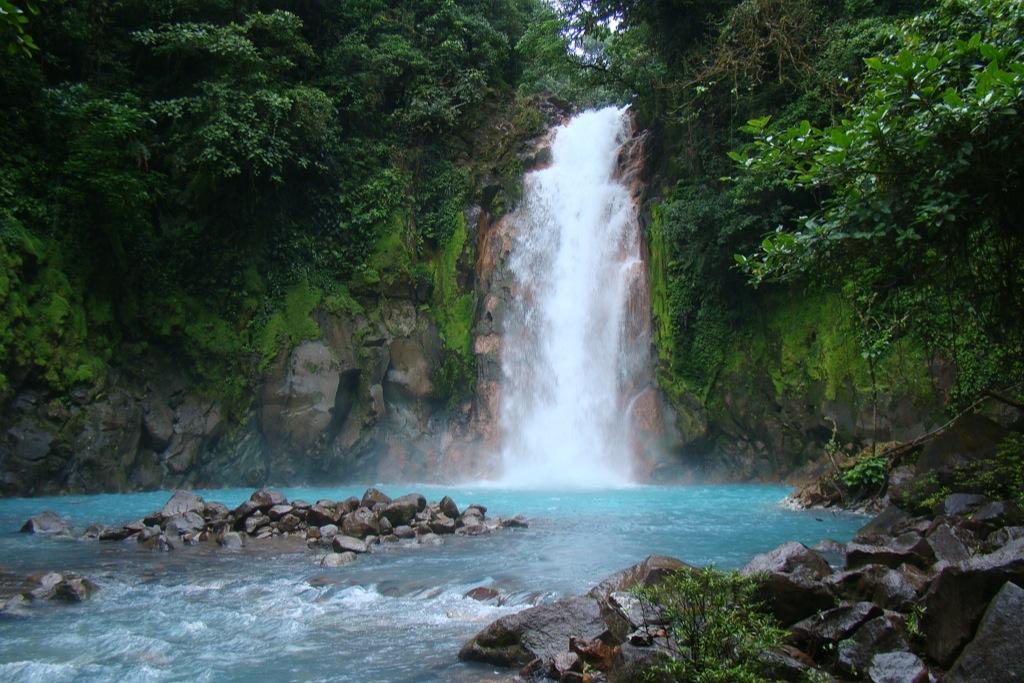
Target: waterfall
[569,355]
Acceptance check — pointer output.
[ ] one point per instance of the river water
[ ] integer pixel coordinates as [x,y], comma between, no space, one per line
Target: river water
[398,614]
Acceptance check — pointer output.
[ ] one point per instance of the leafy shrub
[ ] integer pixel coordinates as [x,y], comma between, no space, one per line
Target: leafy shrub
[867,472]
[716,631]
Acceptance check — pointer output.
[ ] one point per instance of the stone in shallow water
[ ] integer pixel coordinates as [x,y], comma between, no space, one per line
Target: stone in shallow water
[230,539]
[47,522]
[482,594]
[429,539]
[267,498]
[278,511]
[181,503]
[373,497]
[342,544]
[360,523]
[448,507]
[338,559]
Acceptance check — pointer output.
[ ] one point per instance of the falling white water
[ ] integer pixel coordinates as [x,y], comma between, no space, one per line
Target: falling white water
[567,356]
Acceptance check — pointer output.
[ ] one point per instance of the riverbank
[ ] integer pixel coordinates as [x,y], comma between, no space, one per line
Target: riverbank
[399,613]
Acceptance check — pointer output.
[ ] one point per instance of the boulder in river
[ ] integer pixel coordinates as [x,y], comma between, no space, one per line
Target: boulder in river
[47,522]
[338,559]
[360,523]
[540,632]
[266,498]
[182,502]
[348,544]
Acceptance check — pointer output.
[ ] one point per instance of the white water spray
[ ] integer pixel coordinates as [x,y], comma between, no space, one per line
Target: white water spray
[567,355]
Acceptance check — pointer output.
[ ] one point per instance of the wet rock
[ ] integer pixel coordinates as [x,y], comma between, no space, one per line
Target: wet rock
[74,590]
[348,544]
[184,523]
[889,588]
[278,511]
[255,522]
[323,513]
[897,667]
[793,585]
[289,523]
[832,625]
[564,664]
[360,523]
[244,510]
[216,512]
[995,654]
[267,498]
[373,497]
[540,632]
[183,502]
[647,572]
[624,614]
[886,633]
[442,524]
[882,526]
[448,507]
[93,532]
[429,539]
[946,545]
[338,559]
[1001,537]
[47,522]
[956,598]
[992,516]
[327,533]
[908,548]
[405,532]
[482,594]
[230,539]
[959,504]
[402,511]
[971,439]
[630,663]
[475,530]
[44,585]
[384,526]
[787,664]
[517,522]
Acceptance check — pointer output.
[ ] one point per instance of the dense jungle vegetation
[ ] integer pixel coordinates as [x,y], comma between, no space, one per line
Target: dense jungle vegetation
[839,181]
[841,176]
[195,177]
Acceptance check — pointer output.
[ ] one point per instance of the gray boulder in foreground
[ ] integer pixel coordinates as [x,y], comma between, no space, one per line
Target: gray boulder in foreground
[996,654]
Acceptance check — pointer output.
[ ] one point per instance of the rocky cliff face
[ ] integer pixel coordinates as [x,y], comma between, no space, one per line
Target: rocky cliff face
[361,401]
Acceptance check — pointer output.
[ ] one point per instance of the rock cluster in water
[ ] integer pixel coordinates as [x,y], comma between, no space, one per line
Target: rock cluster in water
[347,527]
[917,597]
[17,593]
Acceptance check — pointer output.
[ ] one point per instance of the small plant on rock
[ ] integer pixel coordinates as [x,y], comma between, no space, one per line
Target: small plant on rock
[716,632]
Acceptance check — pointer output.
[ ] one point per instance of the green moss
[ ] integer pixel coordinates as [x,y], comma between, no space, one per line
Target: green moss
[452,309]
[340,301]
[289,325]
[658,278]
[812,339]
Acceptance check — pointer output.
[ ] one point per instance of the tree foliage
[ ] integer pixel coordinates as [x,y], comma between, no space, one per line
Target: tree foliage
[173,172]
